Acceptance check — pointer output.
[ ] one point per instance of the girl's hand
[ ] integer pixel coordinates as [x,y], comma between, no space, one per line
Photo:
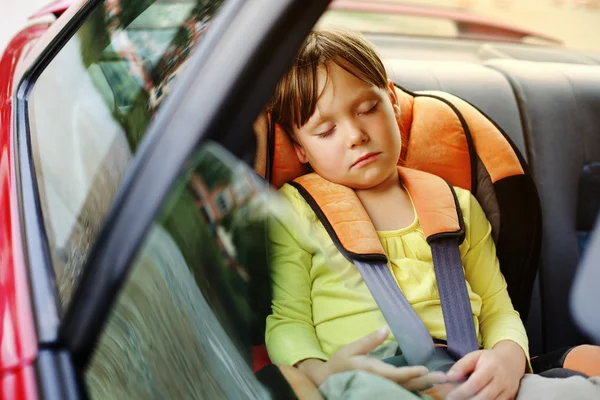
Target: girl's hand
[495,374]
[355,357]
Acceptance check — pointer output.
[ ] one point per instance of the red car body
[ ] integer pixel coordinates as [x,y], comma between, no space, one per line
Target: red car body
[18,341]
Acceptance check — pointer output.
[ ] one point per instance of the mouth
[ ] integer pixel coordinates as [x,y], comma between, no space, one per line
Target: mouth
[366,159]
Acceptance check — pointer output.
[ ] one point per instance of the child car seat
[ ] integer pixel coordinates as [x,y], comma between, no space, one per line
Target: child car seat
[450,138]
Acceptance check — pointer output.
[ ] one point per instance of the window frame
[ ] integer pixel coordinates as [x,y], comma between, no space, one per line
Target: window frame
[45,296]
[56,375]
[239,65]
[261,55]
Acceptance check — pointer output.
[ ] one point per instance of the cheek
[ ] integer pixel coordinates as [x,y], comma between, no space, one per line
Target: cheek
[326,156]
[390,133]
[394,128]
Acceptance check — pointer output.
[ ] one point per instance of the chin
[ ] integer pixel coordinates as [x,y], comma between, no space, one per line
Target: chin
[367,183]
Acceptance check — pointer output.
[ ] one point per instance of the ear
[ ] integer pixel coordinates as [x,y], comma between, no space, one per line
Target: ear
[394,98]
[300,153]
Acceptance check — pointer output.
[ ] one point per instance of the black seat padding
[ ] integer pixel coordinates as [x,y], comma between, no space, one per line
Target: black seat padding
[560,110]
[489,91]
[588,197]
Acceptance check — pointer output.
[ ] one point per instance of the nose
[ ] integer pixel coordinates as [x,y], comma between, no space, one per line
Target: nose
[356,134]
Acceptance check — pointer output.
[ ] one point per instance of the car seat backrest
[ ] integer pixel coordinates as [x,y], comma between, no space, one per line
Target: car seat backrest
[560,108]
[491,93]
[448,137]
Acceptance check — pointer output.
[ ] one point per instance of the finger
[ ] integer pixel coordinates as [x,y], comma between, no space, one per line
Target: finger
[402,375]
[464,366]
[475,383]
[424,381]
[396,374]
[365,344]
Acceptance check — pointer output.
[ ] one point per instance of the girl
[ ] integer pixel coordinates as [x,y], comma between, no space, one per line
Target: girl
[341,112]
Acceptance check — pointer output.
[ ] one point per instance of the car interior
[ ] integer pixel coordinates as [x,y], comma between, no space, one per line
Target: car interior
[549,110]
[547,102]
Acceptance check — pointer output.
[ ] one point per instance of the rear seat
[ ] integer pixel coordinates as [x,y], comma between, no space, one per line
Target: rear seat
[551,112]
[489,91]
[560,109]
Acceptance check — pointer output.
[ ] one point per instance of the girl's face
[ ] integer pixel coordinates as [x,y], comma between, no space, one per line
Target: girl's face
[353,137]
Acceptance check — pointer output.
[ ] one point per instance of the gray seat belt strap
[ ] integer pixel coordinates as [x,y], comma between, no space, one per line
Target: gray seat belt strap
[454,297]
[409,331]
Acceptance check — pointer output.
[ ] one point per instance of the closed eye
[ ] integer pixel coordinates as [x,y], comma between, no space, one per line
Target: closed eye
[326,133]
[372,109]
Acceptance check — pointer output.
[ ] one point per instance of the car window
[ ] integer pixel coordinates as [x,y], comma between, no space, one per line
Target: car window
[197,294]
[90,108]
[369,22]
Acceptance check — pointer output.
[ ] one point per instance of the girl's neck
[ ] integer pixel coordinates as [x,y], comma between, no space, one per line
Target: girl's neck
[388,204]
[390,185]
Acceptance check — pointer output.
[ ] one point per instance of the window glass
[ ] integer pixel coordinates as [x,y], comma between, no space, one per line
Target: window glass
[369,22]
[198,293]
[91,106]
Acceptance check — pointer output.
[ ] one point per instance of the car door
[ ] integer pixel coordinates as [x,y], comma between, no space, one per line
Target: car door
[116,206]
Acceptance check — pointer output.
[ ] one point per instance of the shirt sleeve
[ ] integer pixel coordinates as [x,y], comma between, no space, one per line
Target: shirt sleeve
[498,320]
[290,333]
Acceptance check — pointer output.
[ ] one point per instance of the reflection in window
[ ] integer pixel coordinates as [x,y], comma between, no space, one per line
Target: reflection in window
[381,23]
[197,296]
[91,106]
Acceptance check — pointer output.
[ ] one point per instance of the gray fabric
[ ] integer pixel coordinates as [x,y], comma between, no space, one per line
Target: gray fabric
[363,385]
[355,385]
[534,387]
[439,362]
[408,329]
[560,109]
[360,385]
[454,297]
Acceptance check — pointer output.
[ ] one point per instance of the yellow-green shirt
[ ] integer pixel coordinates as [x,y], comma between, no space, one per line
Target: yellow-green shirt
[321,303]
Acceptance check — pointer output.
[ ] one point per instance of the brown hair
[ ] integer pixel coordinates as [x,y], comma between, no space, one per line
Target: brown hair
[296,94]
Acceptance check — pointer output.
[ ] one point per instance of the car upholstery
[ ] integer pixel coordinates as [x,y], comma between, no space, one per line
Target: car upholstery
[559,105]
[550,112]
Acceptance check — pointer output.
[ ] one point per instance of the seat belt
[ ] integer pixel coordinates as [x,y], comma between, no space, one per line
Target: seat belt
[409,331]
[411,334]
[454,296]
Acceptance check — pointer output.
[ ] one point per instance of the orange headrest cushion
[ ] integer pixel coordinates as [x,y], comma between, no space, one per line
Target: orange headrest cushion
[439,132]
